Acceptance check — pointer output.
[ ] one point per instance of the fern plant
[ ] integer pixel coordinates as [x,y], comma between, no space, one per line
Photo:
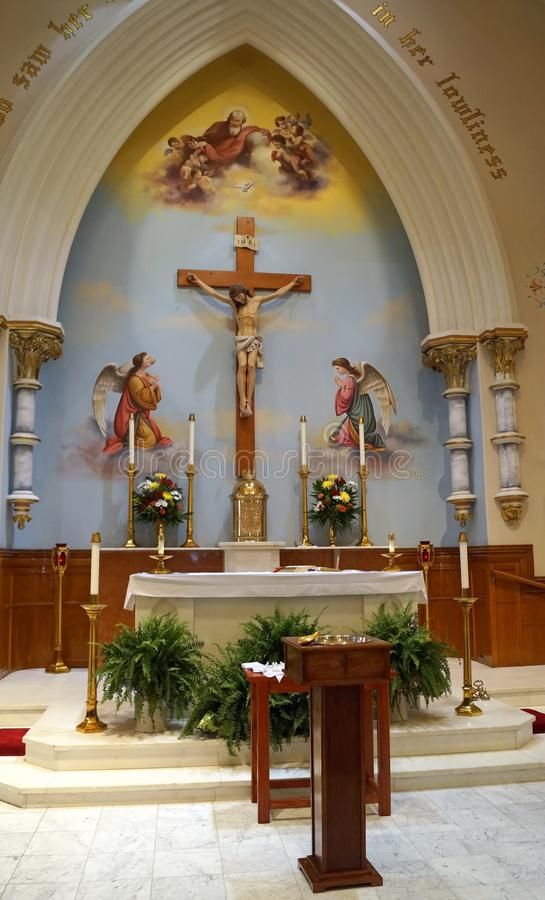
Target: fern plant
[158,662]
[420,663]
[222,699]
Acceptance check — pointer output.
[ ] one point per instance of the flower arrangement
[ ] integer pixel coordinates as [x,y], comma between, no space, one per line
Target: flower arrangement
[158,499]
[335,502]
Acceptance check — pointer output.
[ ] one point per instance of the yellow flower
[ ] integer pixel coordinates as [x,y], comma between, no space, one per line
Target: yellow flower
[160,475]
[327,484]
[344,495]
[332,477]
[167,495]
[153,485]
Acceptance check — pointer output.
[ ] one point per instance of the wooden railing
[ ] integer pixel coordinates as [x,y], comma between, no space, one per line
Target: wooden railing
[518,579]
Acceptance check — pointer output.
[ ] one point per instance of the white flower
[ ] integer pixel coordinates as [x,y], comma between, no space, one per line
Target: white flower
[161,503]
[319,506]
[336,498]
[351,483]
[176,495]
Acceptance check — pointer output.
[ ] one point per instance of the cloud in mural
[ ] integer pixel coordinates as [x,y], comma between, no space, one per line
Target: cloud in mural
[103,293]
[204,318]
[393,312]
[82,454]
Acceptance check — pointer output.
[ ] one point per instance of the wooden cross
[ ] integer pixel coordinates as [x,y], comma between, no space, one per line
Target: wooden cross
[244,274]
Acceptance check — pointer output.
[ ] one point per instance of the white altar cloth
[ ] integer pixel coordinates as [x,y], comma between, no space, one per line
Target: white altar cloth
[345,582]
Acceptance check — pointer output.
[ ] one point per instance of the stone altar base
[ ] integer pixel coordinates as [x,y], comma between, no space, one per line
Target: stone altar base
[433,749]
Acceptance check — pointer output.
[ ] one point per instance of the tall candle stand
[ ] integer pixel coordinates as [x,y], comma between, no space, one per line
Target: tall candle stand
[189,541]
[305,539]
[467,707]
[59,560]
[130,542]
[364,540]
[425,554]
[91,724]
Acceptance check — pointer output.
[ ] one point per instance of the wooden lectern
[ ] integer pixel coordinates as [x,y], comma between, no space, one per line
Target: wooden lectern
[336,674]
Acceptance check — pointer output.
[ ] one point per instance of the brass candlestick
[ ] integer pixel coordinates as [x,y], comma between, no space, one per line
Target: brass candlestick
[59,560]
[425,554]
[130,542]
[364,540]
[160,556]
[305,540]
[189,541]
[91,724]
[467,707]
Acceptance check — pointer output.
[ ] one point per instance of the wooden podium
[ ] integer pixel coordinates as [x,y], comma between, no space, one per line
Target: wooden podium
[336,674]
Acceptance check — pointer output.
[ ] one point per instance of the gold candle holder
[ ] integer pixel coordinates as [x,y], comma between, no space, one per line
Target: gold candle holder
[467,707]
[425,554]
[130,542]
[305,539]
[60,556]
[91,724]
[391,556]
[364,540]
[190,541]
[160,556]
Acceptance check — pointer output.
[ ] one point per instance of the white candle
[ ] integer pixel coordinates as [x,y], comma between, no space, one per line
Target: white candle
[161,543]
[362,442]
[131,439]
[95,563]
[391,542]
[464,564]
[304,447]
[191,439]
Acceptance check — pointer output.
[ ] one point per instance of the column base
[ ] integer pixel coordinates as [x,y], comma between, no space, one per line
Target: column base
[512,502]
[21,503]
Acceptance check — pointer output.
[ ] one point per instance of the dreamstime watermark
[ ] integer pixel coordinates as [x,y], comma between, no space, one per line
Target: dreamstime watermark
[216,465]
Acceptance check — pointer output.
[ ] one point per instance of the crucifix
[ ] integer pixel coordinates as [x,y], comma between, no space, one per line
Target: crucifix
[242,283]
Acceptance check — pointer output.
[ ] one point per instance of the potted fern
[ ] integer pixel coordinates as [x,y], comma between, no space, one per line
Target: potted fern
[155,667]
[420,663]
[222,698]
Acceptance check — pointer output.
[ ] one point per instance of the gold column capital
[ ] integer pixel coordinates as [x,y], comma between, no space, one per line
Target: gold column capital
[450,355]
[503,343]
[34,343]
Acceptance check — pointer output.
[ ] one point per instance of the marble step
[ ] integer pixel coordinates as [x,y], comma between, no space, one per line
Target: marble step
[26,786]
[53,742]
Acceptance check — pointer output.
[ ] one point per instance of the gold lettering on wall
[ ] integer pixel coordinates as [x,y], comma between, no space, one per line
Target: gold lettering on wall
[32,67]
[34,63]
[473,119]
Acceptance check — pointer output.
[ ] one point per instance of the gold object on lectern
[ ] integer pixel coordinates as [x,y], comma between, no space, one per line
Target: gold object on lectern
[249,509]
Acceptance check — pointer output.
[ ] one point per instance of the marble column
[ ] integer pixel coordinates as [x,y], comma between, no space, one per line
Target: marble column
[503,343]
[33,343]
[451,355]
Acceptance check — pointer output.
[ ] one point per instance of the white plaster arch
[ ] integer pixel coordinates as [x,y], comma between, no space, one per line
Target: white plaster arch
[412,145]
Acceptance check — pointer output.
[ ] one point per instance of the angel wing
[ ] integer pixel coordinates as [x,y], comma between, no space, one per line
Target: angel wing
[112,378]
[372,380]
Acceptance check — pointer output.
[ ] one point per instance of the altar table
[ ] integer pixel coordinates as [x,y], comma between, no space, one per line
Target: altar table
[215,603]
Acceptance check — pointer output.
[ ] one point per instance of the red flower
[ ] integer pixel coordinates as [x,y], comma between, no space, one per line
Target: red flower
[342,508]
[320,496]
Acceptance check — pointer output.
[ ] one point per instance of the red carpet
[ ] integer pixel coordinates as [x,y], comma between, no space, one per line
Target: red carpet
[538,726]
[11,741]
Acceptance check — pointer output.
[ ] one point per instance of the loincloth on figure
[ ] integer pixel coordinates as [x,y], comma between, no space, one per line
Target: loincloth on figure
[248,343]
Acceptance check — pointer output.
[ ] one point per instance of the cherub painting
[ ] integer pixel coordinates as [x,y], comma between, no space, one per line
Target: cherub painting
[354,383]
[286,156]
[140,394]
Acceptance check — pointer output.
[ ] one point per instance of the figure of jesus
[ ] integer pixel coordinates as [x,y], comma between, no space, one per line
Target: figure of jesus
[248,344]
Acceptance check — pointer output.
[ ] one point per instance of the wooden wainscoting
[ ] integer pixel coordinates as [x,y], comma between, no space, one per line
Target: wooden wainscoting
[27,597]
[507,622]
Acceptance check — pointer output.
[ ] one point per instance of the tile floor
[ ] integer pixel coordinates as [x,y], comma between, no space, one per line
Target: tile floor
[480,843]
